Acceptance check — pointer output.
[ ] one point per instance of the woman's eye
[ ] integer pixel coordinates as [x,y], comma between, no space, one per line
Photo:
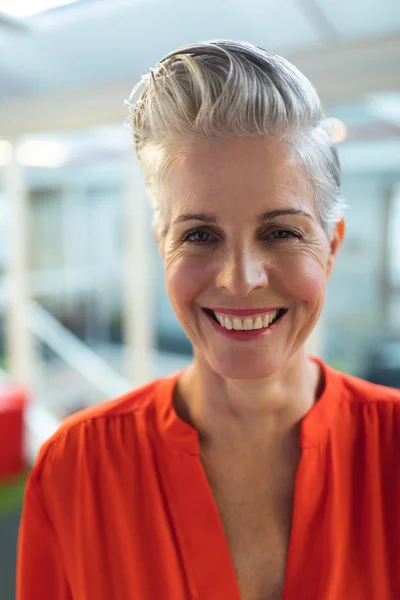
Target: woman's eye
[199,236]
[283,234]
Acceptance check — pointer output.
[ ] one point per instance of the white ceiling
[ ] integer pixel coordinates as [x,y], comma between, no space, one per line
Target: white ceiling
[362,18]
[73,66]
[95,41]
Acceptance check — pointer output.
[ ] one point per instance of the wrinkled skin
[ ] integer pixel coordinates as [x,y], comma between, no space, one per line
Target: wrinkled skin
[238,261]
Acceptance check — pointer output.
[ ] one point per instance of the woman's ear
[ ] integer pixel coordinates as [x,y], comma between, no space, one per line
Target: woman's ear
[335,243]
[341,229]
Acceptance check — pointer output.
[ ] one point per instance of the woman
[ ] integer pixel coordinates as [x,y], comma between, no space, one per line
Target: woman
[257,473]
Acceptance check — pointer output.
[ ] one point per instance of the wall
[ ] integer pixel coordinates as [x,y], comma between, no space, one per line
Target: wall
[355,312]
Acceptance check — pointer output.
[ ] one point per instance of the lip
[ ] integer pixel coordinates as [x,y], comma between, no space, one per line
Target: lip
[244,312]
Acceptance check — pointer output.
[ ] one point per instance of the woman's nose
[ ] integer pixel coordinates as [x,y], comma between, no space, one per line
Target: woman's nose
[241,273]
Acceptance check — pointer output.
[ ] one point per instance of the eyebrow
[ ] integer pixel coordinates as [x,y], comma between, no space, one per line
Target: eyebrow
[272,214]
[266,216]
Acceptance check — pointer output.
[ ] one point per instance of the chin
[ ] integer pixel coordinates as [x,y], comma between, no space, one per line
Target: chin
[237,368]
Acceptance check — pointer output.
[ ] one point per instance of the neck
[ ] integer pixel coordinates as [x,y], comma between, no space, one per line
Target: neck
[264,410]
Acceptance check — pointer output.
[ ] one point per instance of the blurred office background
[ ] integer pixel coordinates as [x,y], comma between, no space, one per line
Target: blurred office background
[84,314]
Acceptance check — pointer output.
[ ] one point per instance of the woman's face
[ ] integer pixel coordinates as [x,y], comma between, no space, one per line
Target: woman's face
[244,241]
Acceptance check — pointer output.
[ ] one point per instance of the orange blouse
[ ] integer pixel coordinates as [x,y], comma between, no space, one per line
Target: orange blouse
[118,506]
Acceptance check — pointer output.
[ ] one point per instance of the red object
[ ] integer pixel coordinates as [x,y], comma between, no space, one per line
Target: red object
[118,505]
[12,403]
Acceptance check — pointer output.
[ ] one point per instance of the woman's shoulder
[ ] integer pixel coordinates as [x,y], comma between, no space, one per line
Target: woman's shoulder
[352,408]
[357,390]
[362,404]
[106,428]
[130,403]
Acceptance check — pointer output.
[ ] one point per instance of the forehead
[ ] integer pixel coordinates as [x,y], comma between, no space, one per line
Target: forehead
[244,174]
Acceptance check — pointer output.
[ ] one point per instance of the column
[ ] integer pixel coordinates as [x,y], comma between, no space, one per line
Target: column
[19,342]
[138,293]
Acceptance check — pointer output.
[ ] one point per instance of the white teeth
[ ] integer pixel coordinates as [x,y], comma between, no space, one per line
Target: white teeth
[258,323]
[237,324]
[228,323]
[248,323]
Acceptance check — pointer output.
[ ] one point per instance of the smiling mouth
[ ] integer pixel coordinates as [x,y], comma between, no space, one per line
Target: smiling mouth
[261,321]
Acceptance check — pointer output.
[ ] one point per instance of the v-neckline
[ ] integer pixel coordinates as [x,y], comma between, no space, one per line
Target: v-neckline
[199,526]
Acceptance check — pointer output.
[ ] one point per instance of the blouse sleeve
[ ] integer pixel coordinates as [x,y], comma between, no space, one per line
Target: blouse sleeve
[40,570]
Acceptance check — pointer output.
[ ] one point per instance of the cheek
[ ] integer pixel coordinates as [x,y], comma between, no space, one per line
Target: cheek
[307,280]
[185,278]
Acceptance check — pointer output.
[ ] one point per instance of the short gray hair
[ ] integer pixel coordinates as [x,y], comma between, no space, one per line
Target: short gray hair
[225,89]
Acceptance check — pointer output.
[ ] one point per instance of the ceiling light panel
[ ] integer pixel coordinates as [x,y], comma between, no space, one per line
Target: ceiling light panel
[27,8]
